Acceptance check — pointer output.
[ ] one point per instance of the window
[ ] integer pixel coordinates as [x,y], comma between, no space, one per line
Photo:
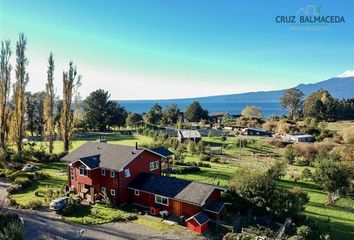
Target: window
[154,165]
[161,200]
[113,192]
[136,192]
[103,172]
[83,171]
[103,189]
[72,173]
[112,173]
[127,173]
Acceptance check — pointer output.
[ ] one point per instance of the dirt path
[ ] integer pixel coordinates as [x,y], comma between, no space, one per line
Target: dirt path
[4,184]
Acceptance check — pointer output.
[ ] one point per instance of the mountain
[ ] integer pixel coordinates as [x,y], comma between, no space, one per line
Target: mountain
[340,87]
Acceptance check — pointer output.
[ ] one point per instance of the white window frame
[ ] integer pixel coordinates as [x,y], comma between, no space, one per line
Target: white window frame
[112,174]
[103,189]
[154,165]
[127,173]
[72,172]
[113,192]
[136,192]
[103,172]
[160,202]
[84,169]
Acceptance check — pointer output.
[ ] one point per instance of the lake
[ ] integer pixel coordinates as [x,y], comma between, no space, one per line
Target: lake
[269,108]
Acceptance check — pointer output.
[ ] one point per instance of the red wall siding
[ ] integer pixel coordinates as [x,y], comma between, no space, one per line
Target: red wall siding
[215,195]
[148,200]
[137,166]
[194,226]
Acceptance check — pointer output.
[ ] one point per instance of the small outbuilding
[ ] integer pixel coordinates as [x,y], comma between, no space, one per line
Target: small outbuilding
[198,222]
[188,135]
[256,132]
[299,138]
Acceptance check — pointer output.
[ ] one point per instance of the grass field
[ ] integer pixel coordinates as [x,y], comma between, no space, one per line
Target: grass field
[337,220]
[129,140]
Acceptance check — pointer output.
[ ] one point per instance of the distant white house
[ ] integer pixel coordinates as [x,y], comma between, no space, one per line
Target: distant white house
[299,138]
[188,135]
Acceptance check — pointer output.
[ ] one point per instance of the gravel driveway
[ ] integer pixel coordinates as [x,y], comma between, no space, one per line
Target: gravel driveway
[39,223]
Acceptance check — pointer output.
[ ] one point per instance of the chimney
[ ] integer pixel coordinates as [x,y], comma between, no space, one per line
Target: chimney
[136,145]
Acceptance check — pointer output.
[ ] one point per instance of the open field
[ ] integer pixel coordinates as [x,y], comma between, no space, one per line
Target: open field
[129,140]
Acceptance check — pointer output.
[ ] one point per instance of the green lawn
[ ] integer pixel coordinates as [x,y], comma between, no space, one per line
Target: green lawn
[338,219]
[54,181]
[129,140]
[96,214]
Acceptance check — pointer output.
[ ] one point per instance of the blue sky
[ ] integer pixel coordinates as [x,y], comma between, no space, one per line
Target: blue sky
[168,49]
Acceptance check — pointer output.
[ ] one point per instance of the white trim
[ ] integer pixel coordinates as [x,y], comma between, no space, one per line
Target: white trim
[153,164]
[81,167]
[103,172]
[113,192]
[166,204]
[82,163]
[127,173]
[193,217]
[112,175]
[136,192]
[145,149]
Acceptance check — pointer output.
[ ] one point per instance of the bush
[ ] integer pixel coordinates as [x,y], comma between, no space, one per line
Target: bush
[303,232]
[12,228]
[184,170]
[14,189]
[278,143]
[306,173]
[34,204]
[205,158]
[23,181]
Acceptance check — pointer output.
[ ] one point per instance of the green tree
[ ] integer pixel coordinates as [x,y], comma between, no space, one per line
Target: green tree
[331,175]
[320,105]
[289,154]
[252,111]
[195,112]
[100,112]
[134,119]
[34,112]
[5,80]
[154,115]
[292,100]
[17,129]
[171,114]
[49,105]
[71,82]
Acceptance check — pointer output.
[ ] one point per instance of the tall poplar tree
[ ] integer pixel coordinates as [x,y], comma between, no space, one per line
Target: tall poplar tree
[49,124]
[71,82]
[5,79]
[17,130]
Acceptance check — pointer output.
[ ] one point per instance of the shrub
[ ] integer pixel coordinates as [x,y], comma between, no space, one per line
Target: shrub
[289,155]
[34,204]
[40,176]
[223,138]
[303,232]
[204,157]
[278,143]
[306,173]
[184,170]
[214,159]
[14,231]
[14,189]
[23,181]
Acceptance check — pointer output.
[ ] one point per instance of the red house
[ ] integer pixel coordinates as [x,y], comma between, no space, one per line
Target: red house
[133,174]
